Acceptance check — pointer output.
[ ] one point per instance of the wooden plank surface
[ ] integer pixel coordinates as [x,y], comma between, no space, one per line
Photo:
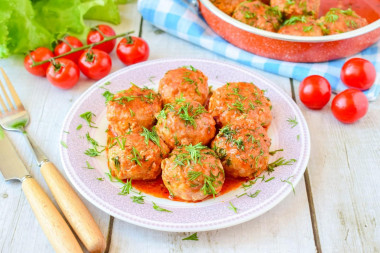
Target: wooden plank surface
[344,174]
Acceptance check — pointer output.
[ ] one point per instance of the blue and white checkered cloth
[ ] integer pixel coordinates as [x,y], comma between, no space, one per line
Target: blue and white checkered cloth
[177,18]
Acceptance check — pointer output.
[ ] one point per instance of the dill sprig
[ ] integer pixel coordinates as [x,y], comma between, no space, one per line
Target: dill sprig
[193,237]
[192,175]
[88,166]
[135,156]
[157,208]
[138,199]
[232,207]
[280,162]
[126,188]
[275,151]
[108,96]
[151,135]
[87,116]
[291,184]
[292,122]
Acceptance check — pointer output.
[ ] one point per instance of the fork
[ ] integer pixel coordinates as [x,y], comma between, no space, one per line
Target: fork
[16,118]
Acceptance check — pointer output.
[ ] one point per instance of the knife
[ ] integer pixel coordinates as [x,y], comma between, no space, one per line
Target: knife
[51,221]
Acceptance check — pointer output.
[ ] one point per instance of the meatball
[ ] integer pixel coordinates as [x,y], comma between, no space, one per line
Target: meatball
[243,149]
[301,26]
[183,82]
[130,108]
[136,155]
[258,15]
[240,101]
[184,123]
[339,21]
[193,173]
[297,7]
[227,6]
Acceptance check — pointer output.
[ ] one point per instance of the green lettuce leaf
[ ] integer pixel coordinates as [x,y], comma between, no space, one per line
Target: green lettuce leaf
[108,12]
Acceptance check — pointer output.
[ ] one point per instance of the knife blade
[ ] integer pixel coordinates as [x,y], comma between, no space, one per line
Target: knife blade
[11,165]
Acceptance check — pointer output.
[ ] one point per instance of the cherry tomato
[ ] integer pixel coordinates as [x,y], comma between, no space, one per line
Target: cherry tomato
[95,64]
[63,47]
[40,54]
[358,73]
[315,92]
[131,50]
[349,105]
[63,73]
[95,35]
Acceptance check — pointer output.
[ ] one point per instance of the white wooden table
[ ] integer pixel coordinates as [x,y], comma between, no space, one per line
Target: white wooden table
[336,207]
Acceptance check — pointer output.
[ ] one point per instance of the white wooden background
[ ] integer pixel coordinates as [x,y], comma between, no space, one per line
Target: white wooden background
[336,207]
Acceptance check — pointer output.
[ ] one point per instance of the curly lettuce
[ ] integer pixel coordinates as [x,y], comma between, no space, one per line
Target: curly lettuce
[26,25]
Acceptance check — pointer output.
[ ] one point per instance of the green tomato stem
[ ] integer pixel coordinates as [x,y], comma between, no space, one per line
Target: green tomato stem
[107,38]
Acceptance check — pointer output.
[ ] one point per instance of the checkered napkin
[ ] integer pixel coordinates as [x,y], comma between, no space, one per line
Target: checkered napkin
[177,18]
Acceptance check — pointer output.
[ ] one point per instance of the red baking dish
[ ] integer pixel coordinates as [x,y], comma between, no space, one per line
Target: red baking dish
[298,48]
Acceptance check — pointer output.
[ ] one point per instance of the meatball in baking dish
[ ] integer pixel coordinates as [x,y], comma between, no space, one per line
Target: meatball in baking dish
[297,7]
[301,26]
[186,82]
[243,149]
[339,21]
[240,101]
[131,108]
[193,172]
[136,154]
[259,15]
[227,6]
[184,123]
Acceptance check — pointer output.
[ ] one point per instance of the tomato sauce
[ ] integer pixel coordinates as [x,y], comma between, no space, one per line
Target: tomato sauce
[369,9]
[157,188]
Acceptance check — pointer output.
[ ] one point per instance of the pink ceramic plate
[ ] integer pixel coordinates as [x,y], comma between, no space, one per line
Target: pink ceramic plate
[207,215]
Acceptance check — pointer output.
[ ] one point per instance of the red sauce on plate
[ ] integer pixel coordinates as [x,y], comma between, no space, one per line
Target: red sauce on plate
[157,188]
[370,9]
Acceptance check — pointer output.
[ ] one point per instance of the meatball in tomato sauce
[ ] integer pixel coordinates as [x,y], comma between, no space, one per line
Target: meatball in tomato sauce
[193,173]
[243,149]
[301,26]
[136,154]
[132,108]
[184,123]
[339,21]
[259,15]
[297,7]
[186,82]
[227,6]
[234,102]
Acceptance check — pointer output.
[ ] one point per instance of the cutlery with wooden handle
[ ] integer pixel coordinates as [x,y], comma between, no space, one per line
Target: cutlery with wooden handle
[16,118]
[51,221]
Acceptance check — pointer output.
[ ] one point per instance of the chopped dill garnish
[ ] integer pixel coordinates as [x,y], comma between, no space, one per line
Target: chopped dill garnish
[232,207]
[291,184]
[208,185]
[87,116]
[151,135]
[64,144]
[192,175]
[239,143]
[88,166]
[307,28]
[227,132]
[127,187]
[79,127]
[113,179]
[193,237]
[298,137]
[108,96]
[192,154]
[292,122]
[249,184]
[280,162]
[100,178]
[157,208]
[135,156]
[270,179]
[255,194]
[94,150]
[275,151]
[138,199]
[131,112]
[237,106]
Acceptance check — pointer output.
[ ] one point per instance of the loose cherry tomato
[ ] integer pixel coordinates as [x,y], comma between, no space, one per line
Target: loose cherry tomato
[315,92]
[96,35]
[131,50]
[358,73]
[63,73]
[68,44]
[349,105]
[95,64]
[40,54]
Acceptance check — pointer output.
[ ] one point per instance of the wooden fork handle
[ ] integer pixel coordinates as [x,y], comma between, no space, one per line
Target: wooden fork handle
[52,223]
[74,210]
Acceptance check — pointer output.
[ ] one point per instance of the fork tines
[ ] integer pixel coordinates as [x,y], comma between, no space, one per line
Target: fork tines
[7,104]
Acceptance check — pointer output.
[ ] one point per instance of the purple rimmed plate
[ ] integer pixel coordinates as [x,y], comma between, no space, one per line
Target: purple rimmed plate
[185,217]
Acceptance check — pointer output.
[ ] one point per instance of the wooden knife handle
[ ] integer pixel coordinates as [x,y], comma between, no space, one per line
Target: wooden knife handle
[52,223]
[74,210]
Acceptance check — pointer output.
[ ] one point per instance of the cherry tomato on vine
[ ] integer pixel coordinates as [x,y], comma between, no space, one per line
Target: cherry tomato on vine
[358,73]
[63,73]
[95,64]
[40,54]
[68,43]
[96,35]
[349,105]
[131,50]
[315,92]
